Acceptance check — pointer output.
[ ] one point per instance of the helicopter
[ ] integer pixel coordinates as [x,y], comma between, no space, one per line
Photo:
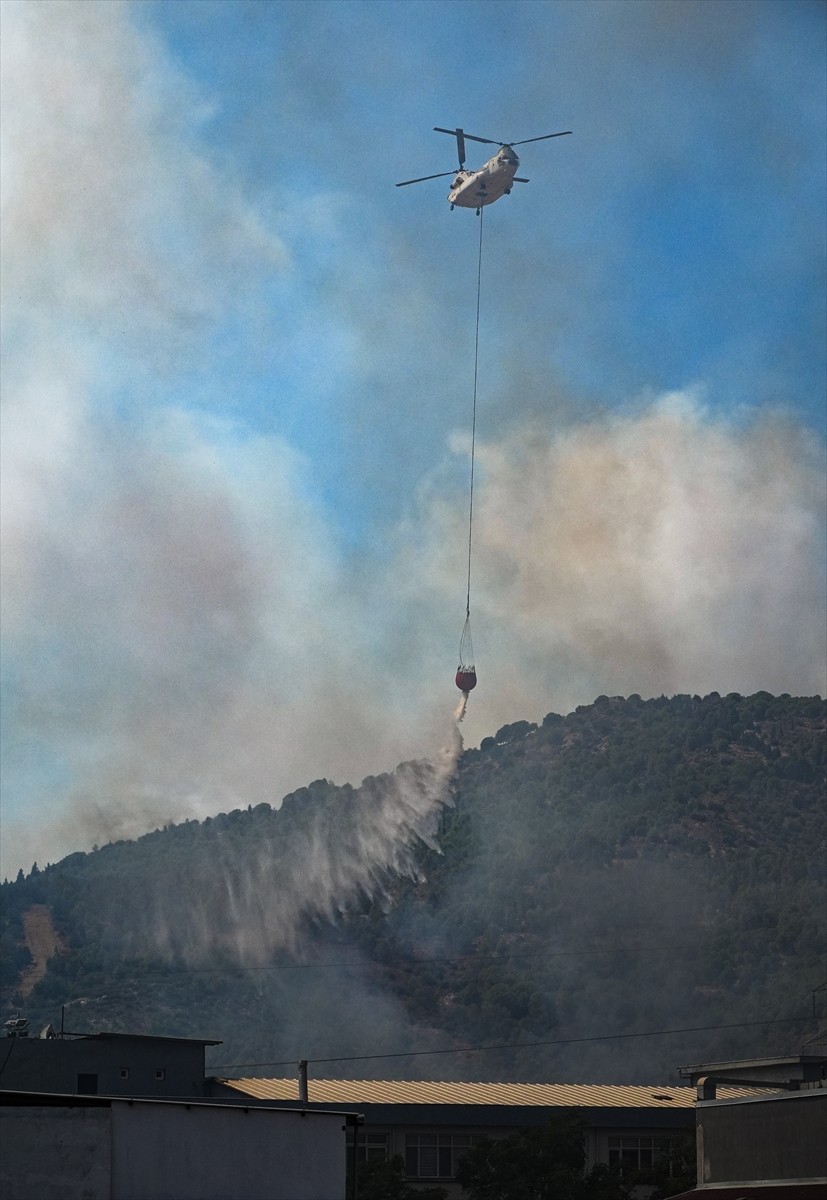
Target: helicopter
[473,189]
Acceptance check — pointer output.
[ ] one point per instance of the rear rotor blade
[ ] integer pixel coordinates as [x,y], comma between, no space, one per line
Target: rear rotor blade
[460,136]
[461,148]
[422,178]
[542,138]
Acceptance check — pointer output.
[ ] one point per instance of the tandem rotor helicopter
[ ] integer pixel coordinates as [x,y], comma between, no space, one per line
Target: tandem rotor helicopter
[473,189]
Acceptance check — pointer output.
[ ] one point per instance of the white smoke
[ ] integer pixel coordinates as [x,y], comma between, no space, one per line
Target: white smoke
[176,628]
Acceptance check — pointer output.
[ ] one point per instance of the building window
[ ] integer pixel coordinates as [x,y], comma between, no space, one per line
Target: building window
[87,1085]
[124,1072]
[370,1146]
[160,1073]
[638,1153]
[435,1155]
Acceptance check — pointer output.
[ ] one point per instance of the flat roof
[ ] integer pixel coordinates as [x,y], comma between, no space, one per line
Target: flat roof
[405,1091]
[773,1189]
[143,1037]
[749,1064]
[768,1097]
[23,1099]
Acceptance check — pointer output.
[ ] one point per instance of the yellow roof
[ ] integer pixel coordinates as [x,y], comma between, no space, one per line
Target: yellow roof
[405,1091]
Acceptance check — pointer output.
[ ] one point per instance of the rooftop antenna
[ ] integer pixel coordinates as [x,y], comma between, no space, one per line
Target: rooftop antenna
[17,1027]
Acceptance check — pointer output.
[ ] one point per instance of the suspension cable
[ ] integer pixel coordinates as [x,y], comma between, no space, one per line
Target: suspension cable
[474,420]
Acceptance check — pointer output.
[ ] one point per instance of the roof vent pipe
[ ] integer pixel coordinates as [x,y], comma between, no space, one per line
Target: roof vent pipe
[303,1080]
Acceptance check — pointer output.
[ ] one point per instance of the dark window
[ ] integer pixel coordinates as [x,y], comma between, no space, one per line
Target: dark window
[87,1085]
[160,1073]
[637,1153]
[370,1146]
[434,1155]
[124,1072]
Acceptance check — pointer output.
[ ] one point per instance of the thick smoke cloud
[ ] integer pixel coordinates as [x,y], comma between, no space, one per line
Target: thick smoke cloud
[183,628]
[662,551]
[174,641]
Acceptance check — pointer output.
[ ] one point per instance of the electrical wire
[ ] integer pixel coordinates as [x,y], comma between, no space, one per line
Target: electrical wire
[412,963]
[8,1054]
[601,1037]
[401,963]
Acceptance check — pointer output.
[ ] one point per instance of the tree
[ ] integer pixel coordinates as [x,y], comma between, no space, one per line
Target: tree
[384,1179]
[548,1163]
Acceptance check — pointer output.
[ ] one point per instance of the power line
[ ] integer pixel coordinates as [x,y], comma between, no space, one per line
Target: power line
[417,962]
[601,1037]
[500,957]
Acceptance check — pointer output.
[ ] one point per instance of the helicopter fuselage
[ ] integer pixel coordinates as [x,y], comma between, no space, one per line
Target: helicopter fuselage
[473,189]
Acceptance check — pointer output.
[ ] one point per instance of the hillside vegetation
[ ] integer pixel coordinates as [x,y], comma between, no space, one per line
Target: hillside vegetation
[632,868]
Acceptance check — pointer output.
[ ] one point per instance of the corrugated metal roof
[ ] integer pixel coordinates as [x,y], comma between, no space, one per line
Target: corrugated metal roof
[404,1091]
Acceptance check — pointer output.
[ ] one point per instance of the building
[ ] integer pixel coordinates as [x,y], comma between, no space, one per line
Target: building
[114,1148]
[431,1125]
[788,1073]
[111,1064]
[770,1145]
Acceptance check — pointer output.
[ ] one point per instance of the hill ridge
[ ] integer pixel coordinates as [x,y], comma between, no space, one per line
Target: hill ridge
[563,856]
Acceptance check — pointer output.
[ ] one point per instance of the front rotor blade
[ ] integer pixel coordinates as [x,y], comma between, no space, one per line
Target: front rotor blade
[422,178]
[542,138]
[486,141]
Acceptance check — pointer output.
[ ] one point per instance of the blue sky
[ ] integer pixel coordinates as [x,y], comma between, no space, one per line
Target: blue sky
[237,383]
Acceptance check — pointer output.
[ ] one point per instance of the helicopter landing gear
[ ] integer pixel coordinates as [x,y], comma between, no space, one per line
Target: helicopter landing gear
[452,208]
[479,210]
[508,191]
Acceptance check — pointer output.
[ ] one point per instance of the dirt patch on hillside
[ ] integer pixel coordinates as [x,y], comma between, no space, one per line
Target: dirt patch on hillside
[42,941]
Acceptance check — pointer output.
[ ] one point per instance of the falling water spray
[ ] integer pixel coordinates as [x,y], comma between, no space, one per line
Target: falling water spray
[326,848]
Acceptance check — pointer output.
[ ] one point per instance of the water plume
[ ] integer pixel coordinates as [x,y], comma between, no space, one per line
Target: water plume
[318,857]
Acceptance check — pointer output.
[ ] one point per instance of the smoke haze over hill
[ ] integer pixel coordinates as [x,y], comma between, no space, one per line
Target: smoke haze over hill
[234,489]
[632,868]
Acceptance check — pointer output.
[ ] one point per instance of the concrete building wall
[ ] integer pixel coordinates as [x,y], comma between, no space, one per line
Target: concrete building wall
[176,1152]
[117,1149]
[769,1138]
[55,1153]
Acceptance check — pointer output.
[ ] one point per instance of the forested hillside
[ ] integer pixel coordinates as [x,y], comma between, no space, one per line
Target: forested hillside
[632,868]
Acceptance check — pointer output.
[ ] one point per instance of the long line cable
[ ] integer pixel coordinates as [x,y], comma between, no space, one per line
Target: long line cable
[474,419]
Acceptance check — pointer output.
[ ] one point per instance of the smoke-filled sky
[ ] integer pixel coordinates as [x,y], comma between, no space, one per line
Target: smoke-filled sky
[237,384]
